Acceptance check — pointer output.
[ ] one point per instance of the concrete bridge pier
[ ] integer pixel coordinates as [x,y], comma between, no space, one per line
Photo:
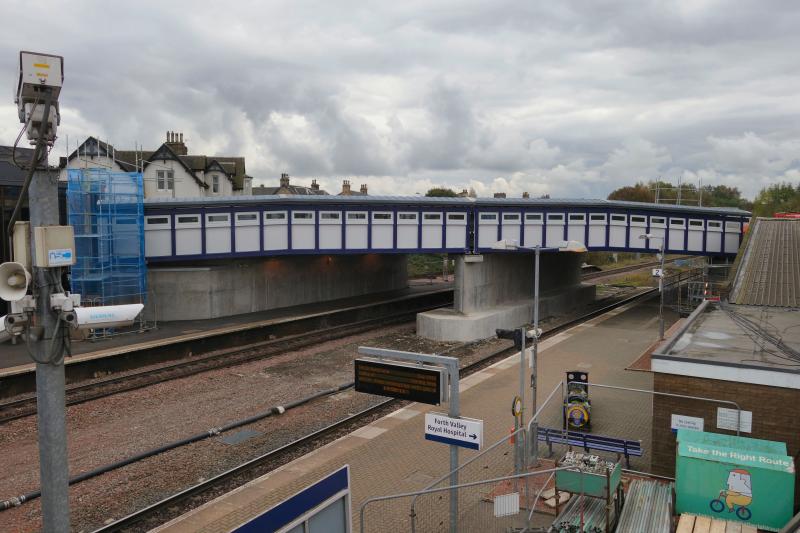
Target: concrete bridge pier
[496,291]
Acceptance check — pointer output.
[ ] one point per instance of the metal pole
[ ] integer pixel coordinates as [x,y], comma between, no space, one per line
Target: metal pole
[534,352]
[661,291]
[455,408]
[53,466]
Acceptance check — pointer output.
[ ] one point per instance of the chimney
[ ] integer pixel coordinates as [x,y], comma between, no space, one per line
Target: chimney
[284,180]
[175,141]
[526,194]
[364,189]
[499,195]
[314,185]
[463,193]
[346,187]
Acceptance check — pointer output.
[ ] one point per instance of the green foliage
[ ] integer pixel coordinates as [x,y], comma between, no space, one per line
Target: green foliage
[442,192]
[711,196]
[420,265]
[781,197]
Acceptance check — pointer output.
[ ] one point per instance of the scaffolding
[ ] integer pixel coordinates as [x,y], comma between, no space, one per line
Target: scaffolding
[106,211]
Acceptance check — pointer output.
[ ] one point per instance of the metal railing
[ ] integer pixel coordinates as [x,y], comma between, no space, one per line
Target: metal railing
[474,516]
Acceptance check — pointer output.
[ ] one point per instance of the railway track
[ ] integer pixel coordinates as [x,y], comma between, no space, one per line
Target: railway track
[84,392]
[181,502]
[622,270]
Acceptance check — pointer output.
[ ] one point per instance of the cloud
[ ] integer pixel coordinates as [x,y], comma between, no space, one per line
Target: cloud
[565,98]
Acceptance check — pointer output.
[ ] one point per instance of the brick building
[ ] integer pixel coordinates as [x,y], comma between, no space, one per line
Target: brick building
[746,350]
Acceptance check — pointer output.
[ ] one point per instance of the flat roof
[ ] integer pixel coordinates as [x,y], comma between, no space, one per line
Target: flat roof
[445,201]
[720,342]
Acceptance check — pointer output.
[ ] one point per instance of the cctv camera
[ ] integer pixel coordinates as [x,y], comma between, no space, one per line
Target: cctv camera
[106,316]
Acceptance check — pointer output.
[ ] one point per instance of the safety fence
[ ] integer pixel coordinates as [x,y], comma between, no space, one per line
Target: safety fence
[504,487]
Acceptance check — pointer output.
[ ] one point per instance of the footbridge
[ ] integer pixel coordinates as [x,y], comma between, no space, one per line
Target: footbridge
[214,257]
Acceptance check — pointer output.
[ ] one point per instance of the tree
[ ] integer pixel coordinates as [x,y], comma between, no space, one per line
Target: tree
[441,192]
[778,198]
[637,193]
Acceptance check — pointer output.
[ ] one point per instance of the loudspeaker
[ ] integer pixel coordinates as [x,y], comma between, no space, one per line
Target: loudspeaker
[14,281]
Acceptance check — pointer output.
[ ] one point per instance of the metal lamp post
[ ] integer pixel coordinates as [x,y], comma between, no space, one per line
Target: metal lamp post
[567,246]
[648,236]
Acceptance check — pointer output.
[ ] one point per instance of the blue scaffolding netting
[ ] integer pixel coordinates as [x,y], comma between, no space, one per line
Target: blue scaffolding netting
[106,211]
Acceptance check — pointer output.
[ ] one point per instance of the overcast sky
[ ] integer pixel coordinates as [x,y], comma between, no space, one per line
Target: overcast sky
[568,98]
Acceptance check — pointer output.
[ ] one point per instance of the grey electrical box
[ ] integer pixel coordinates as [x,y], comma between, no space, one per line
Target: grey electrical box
[54,246]
[22,244]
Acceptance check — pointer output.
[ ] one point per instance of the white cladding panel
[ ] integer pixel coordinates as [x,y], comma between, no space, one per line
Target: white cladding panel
[731,243]
[330,237]
[511,227]
[356,237]
[597,236]
[158,236]
[382,230]
[554,234]
[188,234]
[676,237]
[576,227]
[732,231]
[638,228]
[487,229]
[695,238]
[248,232]
[533,229]
[616,236]
[303,230]
[456,231]
[406,236]
[330,230]
[218,233]
[714,236]
[659,234]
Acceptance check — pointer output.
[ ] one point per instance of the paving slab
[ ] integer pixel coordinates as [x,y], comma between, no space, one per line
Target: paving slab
[390,455]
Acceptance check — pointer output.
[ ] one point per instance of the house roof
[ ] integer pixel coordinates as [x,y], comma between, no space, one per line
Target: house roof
[768,272]
[10,174]
[297,190]
[233,167]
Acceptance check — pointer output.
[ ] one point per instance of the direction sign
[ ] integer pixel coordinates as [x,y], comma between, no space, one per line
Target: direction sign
[406,381]
[464,432]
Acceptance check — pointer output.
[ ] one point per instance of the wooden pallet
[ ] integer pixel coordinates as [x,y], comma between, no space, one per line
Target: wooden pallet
[690,523]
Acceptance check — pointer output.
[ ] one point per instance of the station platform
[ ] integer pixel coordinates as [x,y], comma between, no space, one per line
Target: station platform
[14,358]
[390,455]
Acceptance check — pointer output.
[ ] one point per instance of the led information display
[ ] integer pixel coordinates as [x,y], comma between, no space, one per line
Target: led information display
[400,380]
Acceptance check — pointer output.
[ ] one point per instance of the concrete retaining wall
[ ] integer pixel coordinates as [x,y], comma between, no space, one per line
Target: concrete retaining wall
[247,286]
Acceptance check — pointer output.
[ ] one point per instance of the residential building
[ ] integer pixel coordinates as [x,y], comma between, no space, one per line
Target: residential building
[169,171]
[285,187]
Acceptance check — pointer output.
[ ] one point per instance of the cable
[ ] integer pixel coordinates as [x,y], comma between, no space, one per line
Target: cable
[34,163]
[24,127]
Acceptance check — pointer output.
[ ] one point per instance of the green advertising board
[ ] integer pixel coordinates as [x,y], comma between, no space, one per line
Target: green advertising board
[734,478]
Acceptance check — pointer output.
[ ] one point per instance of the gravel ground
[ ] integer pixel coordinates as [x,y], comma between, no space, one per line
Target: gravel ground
[113,428]
[119,426]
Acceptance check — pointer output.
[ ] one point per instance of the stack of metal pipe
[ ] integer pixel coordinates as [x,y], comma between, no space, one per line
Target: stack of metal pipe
[648,508]
[591,512]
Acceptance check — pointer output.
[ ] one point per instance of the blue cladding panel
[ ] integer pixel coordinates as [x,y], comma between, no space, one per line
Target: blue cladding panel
[299,505]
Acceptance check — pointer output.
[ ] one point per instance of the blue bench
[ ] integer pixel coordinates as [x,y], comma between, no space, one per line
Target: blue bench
[589,441]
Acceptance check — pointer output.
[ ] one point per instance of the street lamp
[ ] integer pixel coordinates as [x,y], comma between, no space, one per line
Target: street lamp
[566,246]
[648,236]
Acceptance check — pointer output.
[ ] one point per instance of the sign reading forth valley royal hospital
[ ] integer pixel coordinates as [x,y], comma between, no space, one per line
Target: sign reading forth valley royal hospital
[464,432]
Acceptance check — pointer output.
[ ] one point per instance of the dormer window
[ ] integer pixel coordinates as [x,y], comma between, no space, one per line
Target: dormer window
[215,184]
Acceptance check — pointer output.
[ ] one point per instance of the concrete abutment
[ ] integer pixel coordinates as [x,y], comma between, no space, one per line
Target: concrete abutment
[496,291]
[234,287]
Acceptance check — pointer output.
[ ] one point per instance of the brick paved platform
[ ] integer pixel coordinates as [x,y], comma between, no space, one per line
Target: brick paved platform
[391,456]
